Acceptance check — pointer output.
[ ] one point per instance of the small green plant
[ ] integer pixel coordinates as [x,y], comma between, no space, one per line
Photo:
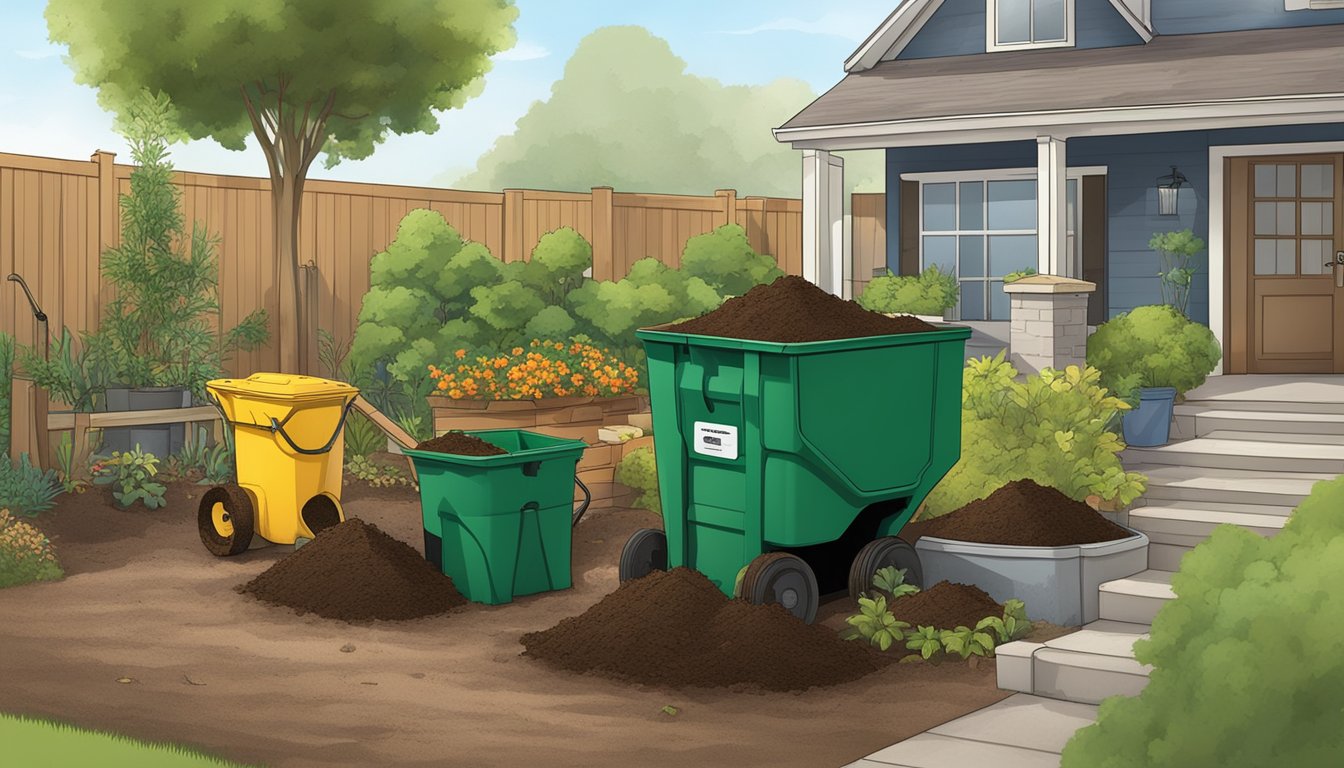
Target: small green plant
[639,470]
[1013,277]
[1152,346]
[362,436]
[926,640]
[892,581]
[201,462]
[132,477]
[967,642]
[1013,625]
[375,474]
[26,490]
[65,465]
[71,373]
[25,554]
[931,292]
[876,624]
[1176,250]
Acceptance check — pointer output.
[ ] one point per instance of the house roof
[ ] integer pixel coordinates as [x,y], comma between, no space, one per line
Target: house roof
[1038,86]
[900,27]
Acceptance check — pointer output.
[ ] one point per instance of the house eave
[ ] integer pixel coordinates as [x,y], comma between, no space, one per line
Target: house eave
[1068,123]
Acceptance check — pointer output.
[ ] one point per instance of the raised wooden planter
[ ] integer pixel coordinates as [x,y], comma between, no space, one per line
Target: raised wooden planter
[576,418]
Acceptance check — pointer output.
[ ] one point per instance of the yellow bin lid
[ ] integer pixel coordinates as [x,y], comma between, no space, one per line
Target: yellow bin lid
[283,387]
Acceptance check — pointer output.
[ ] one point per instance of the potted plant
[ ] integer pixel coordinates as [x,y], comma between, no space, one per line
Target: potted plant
[1151,356]
[158,343]
[930,295]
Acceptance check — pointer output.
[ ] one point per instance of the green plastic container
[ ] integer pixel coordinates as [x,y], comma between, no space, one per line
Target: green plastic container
[500,526]
[816,448]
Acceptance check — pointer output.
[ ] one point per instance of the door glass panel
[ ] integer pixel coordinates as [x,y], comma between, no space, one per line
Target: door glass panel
[999,306]
[1318,181]
[1049,16]
[1318,218]
[1275,257]
[1314,255]
[940,207]
[972,300]
[1012,204]
[972,214]
[1011,253]
[1266,218]
[941,251]
[1014,21]
[1287,219]
[1266,184]
[1287,181]
[972,256]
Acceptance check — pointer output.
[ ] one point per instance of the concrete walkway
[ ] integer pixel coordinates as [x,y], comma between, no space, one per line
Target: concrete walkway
[1019,732]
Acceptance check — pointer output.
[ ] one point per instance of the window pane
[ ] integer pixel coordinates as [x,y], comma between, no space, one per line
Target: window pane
[1011,253]
[972,256]
[1012,204]
[1266,218]
[1287,181]
[1049,15]
[1265,181]
[1318,218]
[972,300]
[999,306]
[1287,218]
[1314,255]
[972,214]
[1071,198]
[1014,21]
[1265,257]
[1275,257]
[1318,181]
[941,251]
[940,207]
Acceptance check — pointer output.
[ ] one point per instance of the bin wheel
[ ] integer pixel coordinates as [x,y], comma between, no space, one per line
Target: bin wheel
[226,520]
[644,552]
[879,554]
[782,578]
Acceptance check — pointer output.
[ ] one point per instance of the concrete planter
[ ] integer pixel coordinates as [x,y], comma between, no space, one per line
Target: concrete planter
[162,440]
[1058,584]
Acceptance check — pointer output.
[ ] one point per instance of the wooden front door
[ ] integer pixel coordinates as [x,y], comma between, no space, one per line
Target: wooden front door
[1285,232]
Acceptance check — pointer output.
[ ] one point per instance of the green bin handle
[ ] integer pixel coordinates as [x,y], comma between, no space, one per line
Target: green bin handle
[583,507]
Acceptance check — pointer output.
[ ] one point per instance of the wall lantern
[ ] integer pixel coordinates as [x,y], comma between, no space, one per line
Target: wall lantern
[1169,190]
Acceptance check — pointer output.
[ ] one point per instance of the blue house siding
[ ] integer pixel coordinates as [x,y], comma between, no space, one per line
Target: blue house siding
[1134,162]
[958,29]
[1186,17]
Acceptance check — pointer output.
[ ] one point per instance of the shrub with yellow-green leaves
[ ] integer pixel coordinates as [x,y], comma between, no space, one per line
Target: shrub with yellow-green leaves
[25,554]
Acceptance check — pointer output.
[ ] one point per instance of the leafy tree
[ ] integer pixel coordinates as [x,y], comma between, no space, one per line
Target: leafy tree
[304,77]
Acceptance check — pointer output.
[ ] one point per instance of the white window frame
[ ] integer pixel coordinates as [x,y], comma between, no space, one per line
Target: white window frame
[992,29]
[1073,173]
[1312,5]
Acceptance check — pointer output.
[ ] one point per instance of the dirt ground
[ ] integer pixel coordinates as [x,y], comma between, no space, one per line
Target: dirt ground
[258,684]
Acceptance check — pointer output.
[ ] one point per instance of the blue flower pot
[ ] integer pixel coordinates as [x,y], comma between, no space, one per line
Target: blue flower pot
[1150,423]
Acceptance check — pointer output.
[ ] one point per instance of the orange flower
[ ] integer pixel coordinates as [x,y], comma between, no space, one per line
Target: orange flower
[459,354]
[517,350]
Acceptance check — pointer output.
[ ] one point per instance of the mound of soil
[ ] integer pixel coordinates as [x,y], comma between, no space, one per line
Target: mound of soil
[945,606]
[793,310]
[461,444]
[676,629]
[1021,513]
[355,572]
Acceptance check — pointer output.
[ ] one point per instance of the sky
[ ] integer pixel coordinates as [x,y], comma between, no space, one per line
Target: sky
[43,112]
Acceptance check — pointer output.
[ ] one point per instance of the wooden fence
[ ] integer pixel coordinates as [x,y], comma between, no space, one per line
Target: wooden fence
[58,216]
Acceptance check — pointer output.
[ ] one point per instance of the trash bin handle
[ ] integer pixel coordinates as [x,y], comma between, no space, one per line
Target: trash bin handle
[587,499]
[278,428]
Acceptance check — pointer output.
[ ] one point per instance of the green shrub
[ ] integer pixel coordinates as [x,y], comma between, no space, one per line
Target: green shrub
[26,490]
[25,554]
[639,471]
[929,293]
[1176,250]
[1152,346]
[201,462]
[6,388]
[652,293]
[1246,666]
[131,475]
[725,260]
[1053,428]
[71,373]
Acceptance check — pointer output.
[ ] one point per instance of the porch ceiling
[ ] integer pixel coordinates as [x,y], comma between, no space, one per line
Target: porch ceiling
[1285,74]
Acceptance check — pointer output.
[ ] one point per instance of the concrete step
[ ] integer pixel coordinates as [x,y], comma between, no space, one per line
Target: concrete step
[1200,420]
[1137,599]
[1085,666]
[1187,524]
[1232,450]
[1167,482]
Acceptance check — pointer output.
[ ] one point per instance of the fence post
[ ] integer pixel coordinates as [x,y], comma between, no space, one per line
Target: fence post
[109,216]
[728,201]
[604,255]
[513,225]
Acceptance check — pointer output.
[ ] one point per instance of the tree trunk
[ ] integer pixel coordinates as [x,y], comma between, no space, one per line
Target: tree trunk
[286,203]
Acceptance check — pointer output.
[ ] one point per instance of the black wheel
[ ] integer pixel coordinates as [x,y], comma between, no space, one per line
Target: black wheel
[225,519]
[879,554]
[644,552]
[782,578]
[320,513]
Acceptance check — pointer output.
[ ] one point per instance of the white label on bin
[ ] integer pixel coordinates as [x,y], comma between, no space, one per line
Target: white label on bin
[716,440]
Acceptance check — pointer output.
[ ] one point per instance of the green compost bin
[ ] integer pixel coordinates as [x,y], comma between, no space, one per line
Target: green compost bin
[500,526]
[813,448]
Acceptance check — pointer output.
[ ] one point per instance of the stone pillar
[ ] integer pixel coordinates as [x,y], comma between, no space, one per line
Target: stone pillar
[1048,322]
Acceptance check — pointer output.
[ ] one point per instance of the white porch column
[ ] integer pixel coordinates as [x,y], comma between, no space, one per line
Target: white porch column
[823,219]
[1052,208]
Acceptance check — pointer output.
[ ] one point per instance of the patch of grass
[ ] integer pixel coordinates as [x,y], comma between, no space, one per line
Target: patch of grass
[36,743]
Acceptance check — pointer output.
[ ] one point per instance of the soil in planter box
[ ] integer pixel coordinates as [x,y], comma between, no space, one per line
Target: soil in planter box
[945,606]
[355,572]
[793,310]
[676,629]
[1021,513]
[461,444]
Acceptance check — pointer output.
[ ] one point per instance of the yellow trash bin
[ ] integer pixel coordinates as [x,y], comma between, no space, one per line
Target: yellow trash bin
[287,452]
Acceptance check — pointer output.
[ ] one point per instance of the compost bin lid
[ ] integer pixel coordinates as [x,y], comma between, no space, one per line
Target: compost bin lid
[284,386]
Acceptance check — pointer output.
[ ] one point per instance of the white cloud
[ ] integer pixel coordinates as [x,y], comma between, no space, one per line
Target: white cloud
[523,51]
[34,54]
[849,26]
